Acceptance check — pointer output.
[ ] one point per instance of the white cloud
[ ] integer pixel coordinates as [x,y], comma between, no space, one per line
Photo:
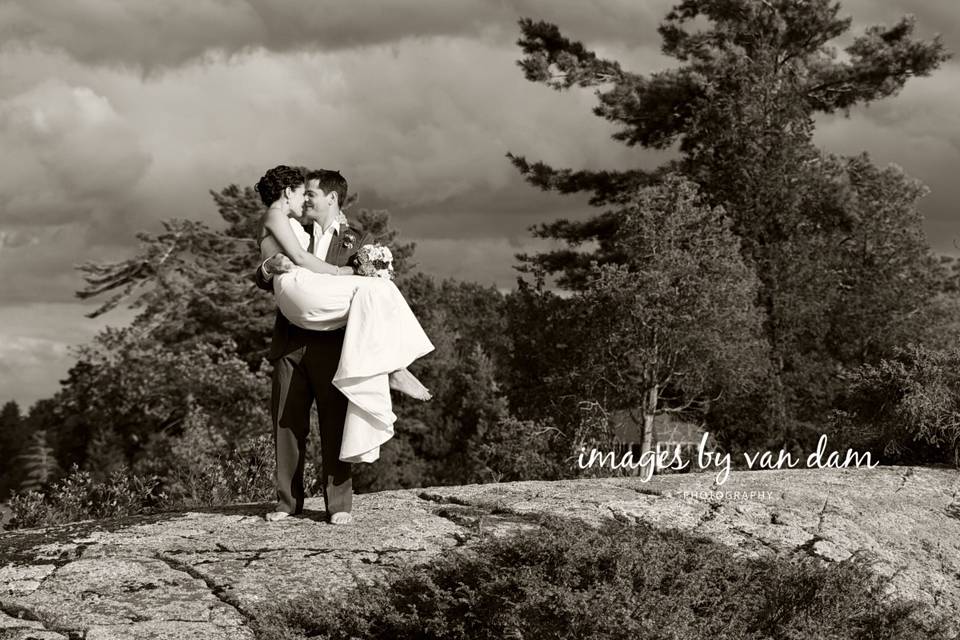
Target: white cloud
[68,156]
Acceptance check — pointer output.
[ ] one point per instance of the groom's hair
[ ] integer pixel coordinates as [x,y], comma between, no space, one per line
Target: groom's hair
[271,185]
[330,181]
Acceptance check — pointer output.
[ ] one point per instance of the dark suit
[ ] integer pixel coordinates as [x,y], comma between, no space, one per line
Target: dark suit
[304,363]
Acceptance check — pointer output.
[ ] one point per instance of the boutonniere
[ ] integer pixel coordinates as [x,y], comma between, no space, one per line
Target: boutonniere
[348,238]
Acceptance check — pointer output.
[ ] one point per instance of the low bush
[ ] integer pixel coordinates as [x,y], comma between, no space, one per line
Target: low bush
[906,408]
[243,475]
[79,497]
[622,581]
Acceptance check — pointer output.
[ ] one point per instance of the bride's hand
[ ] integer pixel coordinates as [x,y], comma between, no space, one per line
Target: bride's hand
[278,264]
[346,271]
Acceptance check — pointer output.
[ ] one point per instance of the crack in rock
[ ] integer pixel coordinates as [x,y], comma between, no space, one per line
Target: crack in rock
[218,591]
[903,478]
[820,515]
[435,497]
[389,554]
[754,538]
[19,612]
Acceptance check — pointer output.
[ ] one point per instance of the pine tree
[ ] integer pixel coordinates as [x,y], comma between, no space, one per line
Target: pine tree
[38,464]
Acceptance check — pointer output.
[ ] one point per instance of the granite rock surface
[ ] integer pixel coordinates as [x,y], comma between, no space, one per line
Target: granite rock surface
[205,574]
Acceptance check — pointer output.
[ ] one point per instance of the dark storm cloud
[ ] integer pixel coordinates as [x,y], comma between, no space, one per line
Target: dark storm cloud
[919,129]
[116,114]
[148,35]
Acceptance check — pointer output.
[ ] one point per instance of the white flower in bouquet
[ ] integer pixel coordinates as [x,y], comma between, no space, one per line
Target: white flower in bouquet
[375,260]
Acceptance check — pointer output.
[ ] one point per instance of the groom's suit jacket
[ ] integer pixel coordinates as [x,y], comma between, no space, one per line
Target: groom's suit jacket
[343,248]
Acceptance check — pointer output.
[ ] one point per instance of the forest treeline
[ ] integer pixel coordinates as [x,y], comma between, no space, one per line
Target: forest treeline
[753,283]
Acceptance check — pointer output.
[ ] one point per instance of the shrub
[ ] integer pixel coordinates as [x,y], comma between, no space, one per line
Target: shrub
[78,497]
[243,475]
[907,407]
[622,581]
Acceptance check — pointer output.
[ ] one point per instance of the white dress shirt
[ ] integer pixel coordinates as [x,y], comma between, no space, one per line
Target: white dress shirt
[322,239]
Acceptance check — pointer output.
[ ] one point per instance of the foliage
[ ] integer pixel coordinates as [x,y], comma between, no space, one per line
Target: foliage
[131,401]
[460,318]
[669,329]
[12,440]
[545,335]
[679,314]
[225,475]
[244,474]
[906,407]
[888,274]
[565,580]
[78,496]
[494,446]
[193,285]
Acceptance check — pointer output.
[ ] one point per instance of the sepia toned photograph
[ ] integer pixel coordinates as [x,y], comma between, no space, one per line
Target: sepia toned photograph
[479,319]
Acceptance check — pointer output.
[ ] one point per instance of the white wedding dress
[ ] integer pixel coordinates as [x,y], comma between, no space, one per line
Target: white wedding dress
[382,336]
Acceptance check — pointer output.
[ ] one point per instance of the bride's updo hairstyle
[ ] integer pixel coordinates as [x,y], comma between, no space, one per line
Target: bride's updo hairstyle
[275,180]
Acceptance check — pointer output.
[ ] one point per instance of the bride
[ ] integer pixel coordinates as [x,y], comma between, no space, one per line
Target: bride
[382,336]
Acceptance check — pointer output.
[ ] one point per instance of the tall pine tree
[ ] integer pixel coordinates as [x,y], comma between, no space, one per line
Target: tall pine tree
[740,109]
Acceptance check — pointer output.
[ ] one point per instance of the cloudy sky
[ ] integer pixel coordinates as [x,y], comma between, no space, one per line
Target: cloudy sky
[116,114]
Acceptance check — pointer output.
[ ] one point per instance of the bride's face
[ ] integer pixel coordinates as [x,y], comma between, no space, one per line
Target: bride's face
[295,198]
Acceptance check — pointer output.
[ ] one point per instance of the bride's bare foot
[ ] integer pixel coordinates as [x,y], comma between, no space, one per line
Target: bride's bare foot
[341,517]
[405,382]
[273,516]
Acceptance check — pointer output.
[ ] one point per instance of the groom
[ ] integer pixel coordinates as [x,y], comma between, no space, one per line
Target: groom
[304,362]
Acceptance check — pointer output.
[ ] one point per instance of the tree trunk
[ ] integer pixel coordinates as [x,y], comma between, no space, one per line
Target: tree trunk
[649,411]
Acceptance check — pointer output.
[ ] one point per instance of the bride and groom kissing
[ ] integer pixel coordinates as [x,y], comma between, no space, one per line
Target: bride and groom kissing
[340,340]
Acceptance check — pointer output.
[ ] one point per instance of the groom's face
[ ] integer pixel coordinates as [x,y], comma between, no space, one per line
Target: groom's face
[316,204]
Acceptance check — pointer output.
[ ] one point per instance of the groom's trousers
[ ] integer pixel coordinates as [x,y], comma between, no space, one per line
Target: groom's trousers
[300,379]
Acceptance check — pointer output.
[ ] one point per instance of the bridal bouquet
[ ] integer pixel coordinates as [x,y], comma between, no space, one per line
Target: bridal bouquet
[375,260]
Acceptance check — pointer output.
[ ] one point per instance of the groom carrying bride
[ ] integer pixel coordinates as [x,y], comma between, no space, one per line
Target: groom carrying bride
[303,366]
[341,342]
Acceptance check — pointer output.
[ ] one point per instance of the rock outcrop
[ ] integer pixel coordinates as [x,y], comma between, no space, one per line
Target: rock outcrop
[205,574]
